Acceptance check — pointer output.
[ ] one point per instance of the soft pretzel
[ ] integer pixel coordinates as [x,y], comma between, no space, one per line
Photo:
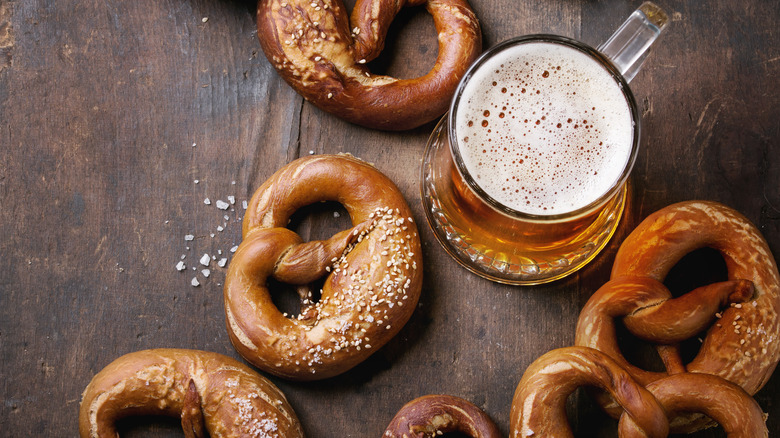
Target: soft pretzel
[374,270]
[322,52]
[740,315]
[430,416]
[210,392]
[729,405]
[539,403]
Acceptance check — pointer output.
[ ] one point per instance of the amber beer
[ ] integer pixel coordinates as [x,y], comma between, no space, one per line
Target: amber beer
[527,180]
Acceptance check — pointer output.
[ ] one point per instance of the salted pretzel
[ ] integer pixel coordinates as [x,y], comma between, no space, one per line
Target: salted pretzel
[210,392]
[740,315]
[539,403]
[374,270]
[321,53]
[430,416]
[728,404]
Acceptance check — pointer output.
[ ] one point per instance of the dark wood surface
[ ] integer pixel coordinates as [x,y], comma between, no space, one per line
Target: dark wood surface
[111,110]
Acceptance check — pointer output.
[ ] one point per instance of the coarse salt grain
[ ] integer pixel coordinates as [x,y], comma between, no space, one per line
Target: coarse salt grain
[195,282]
[205,272]
[205,260]
[222,205]
[180,266]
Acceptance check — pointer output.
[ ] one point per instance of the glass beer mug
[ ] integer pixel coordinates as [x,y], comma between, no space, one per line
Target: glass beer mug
[524,180]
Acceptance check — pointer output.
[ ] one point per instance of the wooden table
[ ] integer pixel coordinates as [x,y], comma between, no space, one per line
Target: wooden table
[119,119]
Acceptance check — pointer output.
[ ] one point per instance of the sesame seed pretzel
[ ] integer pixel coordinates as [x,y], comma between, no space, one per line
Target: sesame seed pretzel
[430,416]
[728,404]
[539,403]
[210,392]
[322,53]
[374,270]
[739,315]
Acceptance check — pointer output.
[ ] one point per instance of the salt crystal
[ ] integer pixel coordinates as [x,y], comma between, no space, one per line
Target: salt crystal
[195,282]
[205,260]
[207,201]
[180,266]
[222,262]
[222,205]
[232,199]
[234,249]
[205,272]
[245,205]
[189,237]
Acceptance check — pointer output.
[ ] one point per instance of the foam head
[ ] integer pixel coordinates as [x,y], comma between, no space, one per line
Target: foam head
[543,128]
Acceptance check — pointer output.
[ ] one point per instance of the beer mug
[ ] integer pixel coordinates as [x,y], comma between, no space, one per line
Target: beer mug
[524,180]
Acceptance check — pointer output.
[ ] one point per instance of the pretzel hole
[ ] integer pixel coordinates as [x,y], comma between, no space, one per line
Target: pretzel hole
[411,46]
[285,296]
[320,221]
[698,268]
[637,351]
[148,426]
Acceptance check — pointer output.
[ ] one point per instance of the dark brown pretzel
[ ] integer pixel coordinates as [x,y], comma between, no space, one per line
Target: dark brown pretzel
[210,392]
[539,404]
[729,405]
[741,342]
[374,270]
[322,53]
[432,415]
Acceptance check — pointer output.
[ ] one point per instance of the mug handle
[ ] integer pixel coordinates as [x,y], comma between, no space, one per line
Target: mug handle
[628,47]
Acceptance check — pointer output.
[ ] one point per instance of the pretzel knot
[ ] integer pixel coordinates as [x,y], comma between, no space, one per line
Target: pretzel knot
[210,392]
[374,271]
[539,403]
[322,53]
[430,416]
[728,404]
[740,316]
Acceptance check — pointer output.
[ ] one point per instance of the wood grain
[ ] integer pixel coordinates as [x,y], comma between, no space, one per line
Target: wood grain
[111,111]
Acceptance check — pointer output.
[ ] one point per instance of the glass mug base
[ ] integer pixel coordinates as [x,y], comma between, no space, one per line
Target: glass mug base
[500,248]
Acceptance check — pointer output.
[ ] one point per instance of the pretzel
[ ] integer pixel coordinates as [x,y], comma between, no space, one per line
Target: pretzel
[539,403]
[740,315]
[322,53]
[430,416]
[374,270]
[728,404]
[210,392]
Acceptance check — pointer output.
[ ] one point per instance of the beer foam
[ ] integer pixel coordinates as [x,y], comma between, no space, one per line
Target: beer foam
[543,128]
